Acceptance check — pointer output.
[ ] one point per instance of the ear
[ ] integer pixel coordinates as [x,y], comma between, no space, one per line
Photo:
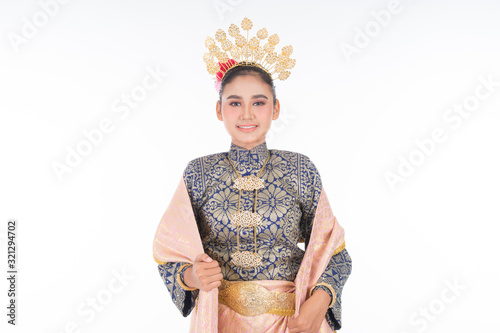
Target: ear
[276,110]
[218,111]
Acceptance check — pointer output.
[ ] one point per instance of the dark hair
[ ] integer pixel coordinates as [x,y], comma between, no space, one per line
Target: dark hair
[242,70]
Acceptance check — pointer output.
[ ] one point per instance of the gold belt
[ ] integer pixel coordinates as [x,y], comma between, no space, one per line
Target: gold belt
[251,299]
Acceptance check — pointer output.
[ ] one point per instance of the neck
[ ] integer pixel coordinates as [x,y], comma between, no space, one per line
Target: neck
[248,146]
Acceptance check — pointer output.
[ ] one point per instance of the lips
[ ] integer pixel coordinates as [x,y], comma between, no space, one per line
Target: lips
[247,128]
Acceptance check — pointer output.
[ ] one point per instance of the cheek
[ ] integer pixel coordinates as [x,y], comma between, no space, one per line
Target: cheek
[229,113]
[265,111]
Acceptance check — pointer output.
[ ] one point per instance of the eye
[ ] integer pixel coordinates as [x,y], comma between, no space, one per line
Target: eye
[235,104]
[259,103]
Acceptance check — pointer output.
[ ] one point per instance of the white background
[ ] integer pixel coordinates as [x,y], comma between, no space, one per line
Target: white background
[357,116]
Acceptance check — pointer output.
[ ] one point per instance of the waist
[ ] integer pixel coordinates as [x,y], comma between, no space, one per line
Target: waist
[253,298]
[278,262]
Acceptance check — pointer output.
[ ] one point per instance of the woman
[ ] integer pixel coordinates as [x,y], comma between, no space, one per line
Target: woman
[249,208]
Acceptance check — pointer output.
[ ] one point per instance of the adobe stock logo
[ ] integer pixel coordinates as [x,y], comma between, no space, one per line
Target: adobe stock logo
[454,118]
[223,6]
[279,125]
[363,37]
[31,26]
[95,305]
[94,137]
[421,319]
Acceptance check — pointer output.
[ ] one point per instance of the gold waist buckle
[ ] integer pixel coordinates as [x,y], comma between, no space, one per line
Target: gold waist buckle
[251,299]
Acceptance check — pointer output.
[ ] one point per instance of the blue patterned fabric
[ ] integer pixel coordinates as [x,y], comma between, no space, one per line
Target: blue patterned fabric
[183,299]
[287,203]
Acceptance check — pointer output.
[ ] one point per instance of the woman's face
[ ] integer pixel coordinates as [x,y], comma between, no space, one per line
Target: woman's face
[247,101]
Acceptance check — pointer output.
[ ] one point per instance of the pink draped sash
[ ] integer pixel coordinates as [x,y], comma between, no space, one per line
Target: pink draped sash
[177,240]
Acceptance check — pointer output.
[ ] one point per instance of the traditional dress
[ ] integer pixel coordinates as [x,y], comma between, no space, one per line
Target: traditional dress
[291,203]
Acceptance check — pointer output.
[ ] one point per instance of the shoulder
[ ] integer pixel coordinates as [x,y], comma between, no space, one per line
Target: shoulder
[199,165]
[303,171]
[200,171]
[302,161]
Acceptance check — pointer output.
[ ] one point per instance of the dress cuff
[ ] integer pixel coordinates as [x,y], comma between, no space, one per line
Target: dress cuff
[180,277]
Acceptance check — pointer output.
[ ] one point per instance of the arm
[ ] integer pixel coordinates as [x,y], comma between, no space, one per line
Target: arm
[183,299]
[325,299]
[335,276]
[181,210]
[339,268]
[184,280]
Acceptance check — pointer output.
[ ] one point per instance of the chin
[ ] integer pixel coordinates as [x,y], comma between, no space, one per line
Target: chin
[245,138]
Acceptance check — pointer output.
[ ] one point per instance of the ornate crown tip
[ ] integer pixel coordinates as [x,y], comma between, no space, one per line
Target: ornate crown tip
[246,24]
[245,51]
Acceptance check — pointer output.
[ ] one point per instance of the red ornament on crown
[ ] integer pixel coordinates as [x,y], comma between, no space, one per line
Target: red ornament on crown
[224,67]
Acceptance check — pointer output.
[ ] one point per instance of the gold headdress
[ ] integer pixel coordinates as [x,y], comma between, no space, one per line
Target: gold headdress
[245,51]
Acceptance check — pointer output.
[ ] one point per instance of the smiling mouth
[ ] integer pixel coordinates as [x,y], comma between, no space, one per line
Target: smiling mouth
[249,126]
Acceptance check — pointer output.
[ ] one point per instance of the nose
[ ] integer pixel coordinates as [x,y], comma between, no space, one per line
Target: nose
[247,112]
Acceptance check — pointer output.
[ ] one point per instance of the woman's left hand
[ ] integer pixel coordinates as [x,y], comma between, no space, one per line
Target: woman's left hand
[311,313]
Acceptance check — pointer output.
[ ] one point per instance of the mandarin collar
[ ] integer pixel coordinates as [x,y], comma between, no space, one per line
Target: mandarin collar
[247,160]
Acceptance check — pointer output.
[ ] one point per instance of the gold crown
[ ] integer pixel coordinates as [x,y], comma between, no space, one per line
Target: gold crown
[246,51]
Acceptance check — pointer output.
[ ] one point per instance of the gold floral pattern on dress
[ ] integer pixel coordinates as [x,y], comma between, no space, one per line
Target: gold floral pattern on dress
[278,169]
[222,202]
[275,203]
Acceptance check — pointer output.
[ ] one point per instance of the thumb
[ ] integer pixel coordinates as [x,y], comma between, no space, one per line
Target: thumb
[203,257]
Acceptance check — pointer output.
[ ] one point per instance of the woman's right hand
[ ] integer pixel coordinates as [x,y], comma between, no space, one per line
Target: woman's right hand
[205,274]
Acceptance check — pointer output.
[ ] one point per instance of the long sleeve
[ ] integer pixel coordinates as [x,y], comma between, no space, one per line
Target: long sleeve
[340,265]
[335,275]
[183,299]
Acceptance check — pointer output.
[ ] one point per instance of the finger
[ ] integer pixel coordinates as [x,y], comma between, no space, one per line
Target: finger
[296,325]
[212,285]
[200,257]
[211,270]
[208,269]
[201,270]
[207,265]
[293,330]
[215,284]
[216,277]
[210,279]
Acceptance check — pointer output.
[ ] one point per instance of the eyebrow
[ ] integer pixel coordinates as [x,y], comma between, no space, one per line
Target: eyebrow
[239,97]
